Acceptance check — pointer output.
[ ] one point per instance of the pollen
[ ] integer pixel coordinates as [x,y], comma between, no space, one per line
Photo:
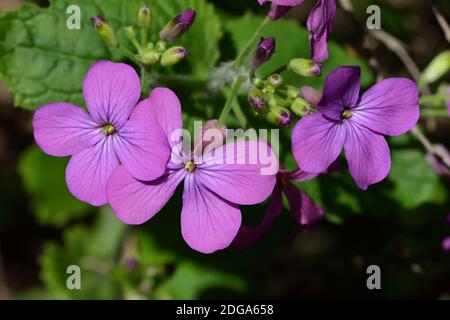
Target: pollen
[346,113]
[108,129]
[189,166]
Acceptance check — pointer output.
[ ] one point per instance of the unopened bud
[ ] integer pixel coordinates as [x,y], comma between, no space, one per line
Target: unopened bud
[300,107]
[105,31]
[131,34]
[280,117]
[144,17]
[275,80]
[258,82]
[305,67]
[293,92]
[161,46]
[256,99]
[149,56]
[277,11]
[173,55]
[437,68]
[178,26]
[311,95]
[264,51]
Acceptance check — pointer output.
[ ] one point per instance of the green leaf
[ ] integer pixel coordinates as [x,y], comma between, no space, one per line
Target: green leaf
[414,181]
[42,61]
[94,250]
[43,178]
[292,42]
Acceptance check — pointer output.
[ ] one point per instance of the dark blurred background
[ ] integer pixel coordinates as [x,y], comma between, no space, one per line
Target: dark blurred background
[327,263]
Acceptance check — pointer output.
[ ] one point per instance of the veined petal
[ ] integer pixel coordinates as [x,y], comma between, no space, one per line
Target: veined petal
[320,24]
[142,148]
[250,236]
[367,154]
[88,172]
[317,142]
[62,129]
[289,3]
[136,202]
[164,107]
[341,90]
[208,222]
[300,175]
[391,107]
[111,91]
[242,172]
[303,209]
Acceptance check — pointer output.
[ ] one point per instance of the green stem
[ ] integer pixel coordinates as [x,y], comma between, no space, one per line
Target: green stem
[127,53]
[249,45]
[230,99]
[145,80]
[144,37]
[429,112]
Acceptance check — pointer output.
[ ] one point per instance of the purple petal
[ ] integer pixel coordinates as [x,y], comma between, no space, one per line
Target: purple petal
[142,148]
[303,209]
[111,91]
[163,107]
[446,244]
[300,175]
[367,155]
[320,24]
[291,3]
[136,202]
[242,172]
[250,236]
[88,172]
[390,107]
[62,129]
[317,142]
[341,90]
[208,222]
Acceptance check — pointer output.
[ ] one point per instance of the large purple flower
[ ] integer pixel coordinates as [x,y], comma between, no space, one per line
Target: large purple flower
[101,139]
[320,25]
[357,124]
[302,209]
[280,7]
[214,185]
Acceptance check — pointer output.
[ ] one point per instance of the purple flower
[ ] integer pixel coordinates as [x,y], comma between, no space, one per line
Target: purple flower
[303,210]
[263,52]
[280,7]
[101,139]
[178,26]
[214,185]
[357,124]
[320,24]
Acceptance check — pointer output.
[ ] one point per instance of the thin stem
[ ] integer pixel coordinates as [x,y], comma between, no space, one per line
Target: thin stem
[230,99]
[442,22]
[249,45]
[127,53]
[144,37]
[430,112]
[145,80]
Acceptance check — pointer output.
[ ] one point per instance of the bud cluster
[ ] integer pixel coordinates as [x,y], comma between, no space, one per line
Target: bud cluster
[149,53]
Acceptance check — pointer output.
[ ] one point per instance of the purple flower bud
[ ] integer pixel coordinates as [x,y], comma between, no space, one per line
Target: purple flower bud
[446,244]
[285,119]
[104,30]
[178,26]
[276,11]
[305,67]
[173,55]
[131,264]
[280,117]
[311,95]
[256,99]
[263,52]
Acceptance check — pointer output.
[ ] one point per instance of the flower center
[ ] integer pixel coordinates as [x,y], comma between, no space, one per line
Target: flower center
[189,166]
[108,129]
[346,113]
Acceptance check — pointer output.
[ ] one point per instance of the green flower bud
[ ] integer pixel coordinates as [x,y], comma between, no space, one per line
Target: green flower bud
[173,55]
[300,107]
[293,92]
[131,34]
[279,116]
[437,68]
[149,56]
[258,82]
[161,46]
[144,17]
[105,31]
[275,80]
[305,67]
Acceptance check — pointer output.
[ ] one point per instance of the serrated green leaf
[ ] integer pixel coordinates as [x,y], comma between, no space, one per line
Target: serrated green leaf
[43,178]
[42,61]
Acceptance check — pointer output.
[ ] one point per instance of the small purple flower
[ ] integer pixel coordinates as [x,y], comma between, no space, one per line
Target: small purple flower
[280,7]
[320,24]
[264,51]
[213,188]
[302,208]
[178,26]
[356,124]
[101,139]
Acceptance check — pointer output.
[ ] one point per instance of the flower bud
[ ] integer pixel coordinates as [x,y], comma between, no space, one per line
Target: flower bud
[305,67]
[275,80]
[258,82]
[131,34]
[161,46]
[256,99]
[149,56]
[311,95]
[293,92]
[277,11]
[300,107]
[437,68]
[263,52]
[105,31]
[172,56]
[178,26]
[279,116]
[144,17]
